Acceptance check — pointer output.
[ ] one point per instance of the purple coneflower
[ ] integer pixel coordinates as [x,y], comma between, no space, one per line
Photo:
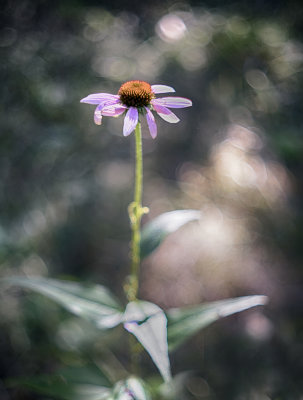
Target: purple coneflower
[134,98]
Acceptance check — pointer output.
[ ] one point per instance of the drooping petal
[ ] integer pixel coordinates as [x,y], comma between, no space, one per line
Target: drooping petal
[98,98]
[130,121]
[106,103]
[166,114]
[98,115]
[162,89]
[173,102]
[113,110]
[151,123]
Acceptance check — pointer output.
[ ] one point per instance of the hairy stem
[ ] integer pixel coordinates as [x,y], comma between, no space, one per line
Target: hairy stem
[135,211]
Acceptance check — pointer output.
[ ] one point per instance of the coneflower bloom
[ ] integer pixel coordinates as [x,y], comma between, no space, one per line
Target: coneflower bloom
[134,98]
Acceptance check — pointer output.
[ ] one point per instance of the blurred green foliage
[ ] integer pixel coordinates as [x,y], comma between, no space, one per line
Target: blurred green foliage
[66,183]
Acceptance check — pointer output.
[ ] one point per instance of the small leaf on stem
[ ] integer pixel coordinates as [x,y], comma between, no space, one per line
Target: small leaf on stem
[154,232]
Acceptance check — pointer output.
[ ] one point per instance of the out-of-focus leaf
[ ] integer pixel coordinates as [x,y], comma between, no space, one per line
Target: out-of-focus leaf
[131,389]
[154,232]
[72,383]
[184,322]
[88,374]
[57,388]
[94,303]
[148,323]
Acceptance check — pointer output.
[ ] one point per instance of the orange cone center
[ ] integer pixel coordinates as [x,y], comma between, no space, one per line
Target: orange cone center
[136,94]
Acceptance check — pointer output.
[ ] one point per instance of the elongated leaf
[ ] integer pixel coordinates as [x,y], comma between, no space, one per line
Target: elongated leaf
[71,383]
[88,374]
[154,232]
[148,323]
[130,389]
[184,322]
[94,303]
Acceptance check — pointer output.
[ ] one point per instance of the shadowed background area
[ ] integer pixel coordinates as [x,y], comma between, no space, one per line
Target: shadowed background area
[236,155]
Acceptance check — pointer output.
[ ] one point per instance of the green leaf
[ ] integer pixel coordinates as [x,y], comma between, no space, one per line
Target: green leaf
[148,323]
[131,389]
[89,374]
[184,322]
[94,303]
[71,383]
[154,232]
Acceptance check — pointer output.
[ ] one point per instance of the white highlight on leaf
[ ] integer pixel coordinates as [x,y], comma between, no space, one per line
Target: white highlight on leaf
[173,220]
[241,304]
[148,323]
[185,321]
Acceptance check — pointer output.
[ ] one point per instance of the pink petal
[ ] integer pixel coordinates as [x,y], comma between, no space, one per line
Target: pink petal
[106,103]
[151,123]
[98,115]
[173,102]
[162,89]
[130,121]
[166,114]
[113,110]
[98,98]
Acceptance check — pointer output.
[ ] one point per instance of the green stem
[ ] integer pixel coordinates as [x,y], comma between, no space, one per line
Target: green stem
[136,211]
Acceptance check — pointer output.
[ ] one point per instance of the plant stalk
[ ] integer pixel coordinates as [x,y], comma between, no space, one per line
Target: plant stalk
[135,211]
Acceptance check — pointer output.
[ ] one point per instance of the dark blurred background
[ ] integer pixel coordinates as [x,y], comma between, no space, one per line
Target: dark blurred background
[236,155]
